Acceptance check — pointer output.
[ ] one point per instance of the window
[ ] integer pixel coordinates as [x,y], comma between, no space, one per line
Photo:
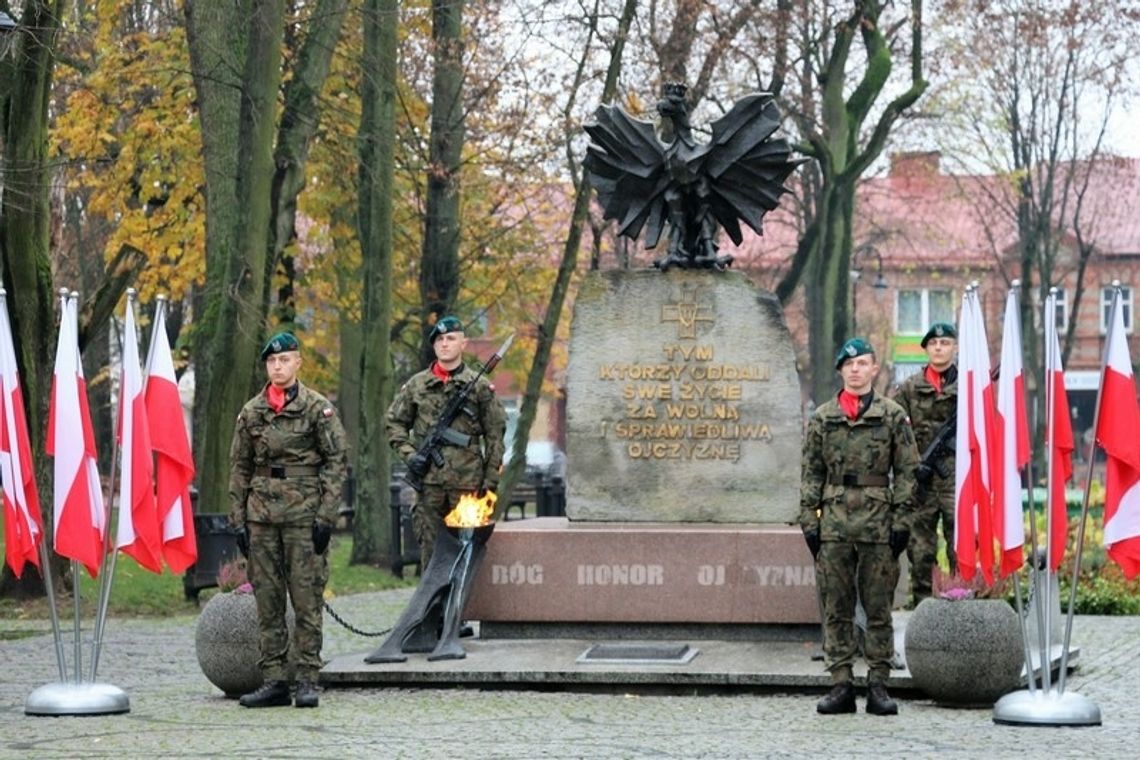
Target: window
[916,309]
[1106,308]
[1062,310]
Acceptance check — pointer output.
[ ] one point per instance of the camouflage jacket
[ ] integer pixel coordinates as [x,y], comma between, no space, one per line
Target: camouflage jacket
[418,405]
[878,444]
[928,410]
[307,439]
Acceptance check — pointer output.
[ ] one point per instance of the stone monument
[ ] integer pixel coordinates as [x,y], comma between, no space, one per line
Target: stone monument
[684,419]
[684,438]
[683,403]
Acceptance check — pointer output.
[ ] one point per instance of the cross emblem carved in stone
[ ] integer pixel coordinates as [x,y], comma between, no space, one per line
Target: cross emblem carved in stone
[687,313]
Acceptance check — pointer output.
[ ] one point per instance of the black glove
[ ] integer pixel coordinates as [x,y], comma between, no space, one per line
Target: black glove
[243,541]
[418,464]
[322,533]
[813,542]
[898,541]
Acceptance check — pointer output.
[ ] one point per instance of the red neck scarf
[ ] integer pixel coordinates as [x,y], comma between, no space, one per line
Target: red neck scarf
[440,372]
[850,404]
[275,397]
[934,377]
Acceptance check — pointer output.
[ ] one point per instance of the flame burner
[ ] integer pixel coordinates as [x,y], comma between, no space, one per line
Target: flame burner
[430,622]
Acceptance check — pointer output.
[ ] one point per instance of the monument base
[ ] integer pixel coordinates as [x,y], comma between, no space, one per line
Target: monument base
[551,570]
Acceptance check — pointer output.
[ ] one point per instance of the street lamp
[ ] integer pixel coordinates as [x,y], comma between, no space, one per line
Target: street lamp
[880,282]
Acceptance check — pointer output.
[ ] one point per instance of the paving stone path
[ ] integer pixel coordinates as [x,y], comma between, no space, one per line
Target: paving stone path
[176,712]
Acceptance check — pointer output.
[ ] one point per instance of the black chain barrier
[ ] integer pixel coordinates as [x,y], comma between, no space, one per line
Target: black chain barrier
[351,627]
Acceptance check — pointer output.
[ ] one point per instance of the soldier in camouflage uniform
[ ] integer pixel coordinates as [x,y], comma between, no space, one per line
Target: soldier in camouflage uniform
[287,468]
[467,468]
[930,398]
[856,523]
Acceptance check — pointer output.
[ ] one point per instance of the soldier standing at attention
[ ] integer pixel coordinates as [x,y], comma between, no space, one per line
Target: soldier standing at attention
[930,399]
[855,523]
[287,468]
[473,459]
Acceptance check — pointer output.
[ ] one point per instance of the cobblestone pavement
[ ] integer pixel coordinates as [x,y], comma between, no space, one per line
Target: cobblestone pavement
[176,712]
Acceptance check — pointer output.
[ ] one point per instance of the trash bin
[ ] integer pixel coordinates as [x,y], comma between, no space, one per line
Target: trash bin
[550,497]
[217,544]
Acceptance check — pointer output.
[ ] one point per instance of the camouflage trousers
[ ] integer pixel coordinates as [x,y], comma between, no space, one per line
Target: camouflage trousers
[282,562]
[922,552]
[844,569]
[432,504]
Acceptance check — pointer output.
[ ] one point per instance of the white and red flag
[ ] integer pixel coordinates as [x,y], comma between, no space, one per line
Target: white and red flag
[973,527]
[78,505]
[1059,439]
[23,529]
[1118,432]
[175,464]
[138,533]
[1012,447]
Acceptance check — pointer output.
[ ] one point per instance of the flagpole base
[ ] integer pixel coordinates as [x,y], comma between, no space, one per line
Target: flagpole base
[1022,708]
[77,699]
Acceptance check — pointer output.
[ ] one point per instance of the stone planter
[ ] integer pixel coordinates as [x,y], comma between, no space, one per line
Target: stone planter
[225,640]
[964,652]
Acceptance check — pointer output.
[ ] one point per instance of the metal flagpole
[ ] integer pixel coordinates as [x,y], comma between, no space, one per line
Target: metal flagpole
[1048,707]
[109,562]
[1088,484]
[1016,337]
[78,697]
[45,558]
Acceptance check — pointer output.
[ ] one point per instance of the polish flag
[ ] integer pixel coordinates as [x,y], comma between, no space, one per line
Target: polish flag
[1060,438]
[78,505]
[23,529]
[973,528]
[138,534]
[1118,432]
[1012,447]
[175,470]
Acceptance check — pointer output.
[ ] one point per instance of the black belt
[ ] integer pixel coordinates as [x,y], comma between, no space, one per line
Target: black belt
[854,479]
[287,471]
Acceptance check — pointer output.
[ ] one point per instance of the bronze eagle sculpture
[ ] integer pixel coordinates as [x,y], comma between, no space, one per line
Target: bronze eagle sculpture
[644,181]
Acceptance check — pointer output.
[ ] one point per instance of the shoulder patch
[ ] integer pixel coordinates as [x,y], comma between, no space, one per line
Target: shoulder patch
[491,386]
[327,411]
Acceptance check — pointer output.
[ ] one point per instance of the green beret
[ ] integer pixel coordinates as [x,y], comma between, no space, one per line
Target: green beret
[279,343]
[851,349]
[448,324]
[939,330]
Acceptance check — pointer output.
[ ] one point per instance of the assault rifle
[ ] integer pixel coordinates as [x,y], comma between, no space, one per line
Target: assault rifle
[441,432]
[933,459]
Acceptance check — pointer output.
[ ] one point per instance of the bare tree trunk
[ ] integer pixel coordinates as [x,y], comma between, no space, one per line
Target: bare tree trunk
[299,121]
[376,140]
[844,154]
[569,263]
[233,326]
[439,269]
[25,232]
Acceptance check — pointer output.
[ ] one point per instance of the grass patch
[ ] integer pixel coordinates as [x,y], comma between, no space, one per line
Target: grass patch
[139,593]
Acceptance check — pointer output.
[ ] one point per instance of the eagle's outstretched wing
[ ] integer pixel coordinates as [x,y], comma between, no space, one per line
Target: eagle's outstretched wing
[626,163]
[746,167]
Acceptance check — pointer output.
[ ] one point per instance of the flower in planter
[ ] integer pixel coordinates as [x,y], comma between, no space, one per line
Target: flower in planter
[954,587]
[232,577]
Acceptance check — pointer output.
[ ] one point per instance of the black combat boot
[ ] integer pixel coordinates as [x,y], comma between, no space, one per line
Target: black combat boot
[307,694]
[879,702]
[841,699]
[271,694]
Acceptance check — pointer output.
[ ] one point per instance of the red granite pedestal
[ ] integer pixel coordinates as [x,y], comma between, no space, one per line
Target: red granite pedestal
[630,575]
